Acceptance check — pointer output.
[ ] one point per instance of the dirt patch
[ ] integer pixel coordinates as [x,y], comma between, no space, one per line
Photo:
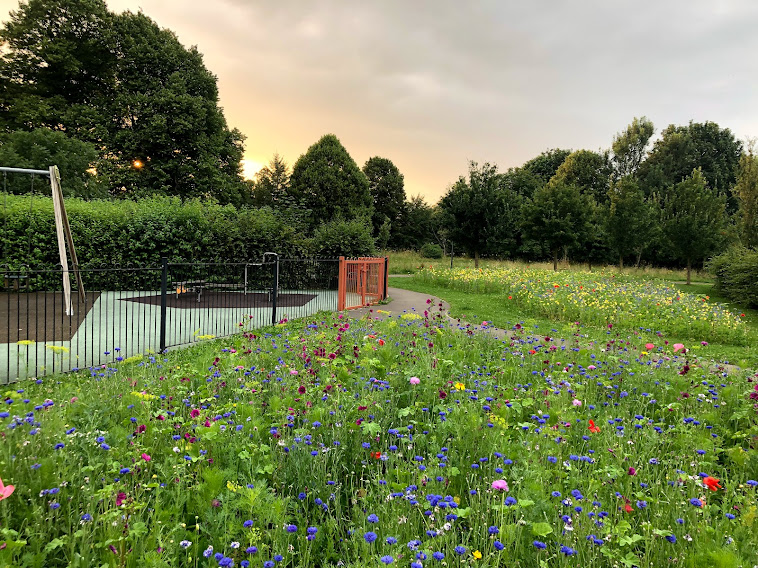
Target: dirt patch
[41,316]
[210,299]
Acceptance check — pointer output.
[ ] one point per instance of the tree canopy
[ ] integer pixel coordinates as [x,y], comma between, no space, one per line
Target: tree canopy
[481,215]
[329,183]
[387,188]
[120,82]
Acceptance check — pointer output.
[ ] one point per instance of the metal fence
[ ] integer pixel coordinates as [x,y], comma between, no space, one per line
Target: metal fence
[133,311]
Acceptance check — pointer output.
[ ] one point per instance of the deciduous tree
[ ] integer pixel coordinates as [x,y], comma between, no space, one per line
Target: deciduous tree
[481,215]
[559,216]
[694,220]
[746,193]
[629,147]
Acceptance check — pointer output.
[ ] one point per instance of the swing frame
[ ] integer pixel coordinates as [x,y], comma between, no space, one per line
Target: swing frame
[62,229]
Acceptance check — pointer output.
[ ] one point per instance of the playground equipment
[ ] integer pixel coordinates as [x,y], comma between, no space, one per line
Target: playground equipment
[62,229]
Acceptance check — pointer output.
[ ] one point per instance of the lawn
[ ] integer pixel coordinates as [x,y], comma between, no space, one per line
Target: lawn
[410,442]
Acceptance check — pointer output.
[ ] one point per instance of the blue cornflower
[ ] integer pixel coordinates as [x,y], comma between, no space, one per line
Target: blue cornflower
[387,559]
[391,540]
[671,538]
[539,545]
[291,528]
[493,530]
[568,551]
[251,549]
[124,470]
[86,517]
[641,504]
[438,556]
[369,537]
[556,494]
[311,530]
[226,562]
[460,550]
[268,564]
[372,518]
[278,558]
[696,502]
[247,524]
[498,545]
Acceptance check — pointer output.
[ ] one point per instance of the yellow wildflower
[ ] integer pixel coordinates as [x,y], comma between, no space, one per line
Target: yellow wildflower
[477,555]
[459,386]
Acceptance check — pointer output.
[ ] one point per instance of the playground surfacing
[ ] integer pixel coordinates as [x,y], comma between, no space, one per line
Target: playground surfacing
[39,316]
[123,324]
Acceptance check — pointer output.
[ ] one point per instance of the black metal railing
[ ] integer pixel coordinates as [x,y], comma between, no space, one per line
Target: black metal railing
[131,311]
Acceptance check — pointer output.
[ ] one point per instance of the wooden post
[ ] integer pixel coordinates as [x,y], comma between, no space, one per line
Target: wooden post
[55,182]
[57,207]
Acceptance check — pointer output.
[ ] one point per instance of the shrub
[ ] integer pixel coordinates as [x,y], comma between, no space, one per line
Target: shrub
[343,238]
[736,273]
[430,250]
[141,232]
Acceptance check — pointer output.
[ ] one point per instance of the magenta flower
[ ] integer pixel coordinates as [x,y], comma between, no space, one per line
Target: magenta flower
[500,485]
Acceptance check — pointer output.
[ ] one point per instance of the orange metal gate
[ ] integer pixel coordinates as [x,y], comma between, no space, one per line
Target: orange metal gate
[362,282]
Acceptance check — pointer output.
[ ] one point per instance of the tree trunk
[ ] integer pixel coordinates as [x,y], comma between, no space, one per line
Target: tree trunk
[476,259]
[621,262]
[639,258]
[589,264]
[689,271]
[555,261]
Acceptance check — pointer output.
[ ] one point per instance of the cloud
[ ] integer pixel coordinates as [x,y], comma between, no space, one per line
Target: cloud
[432,84]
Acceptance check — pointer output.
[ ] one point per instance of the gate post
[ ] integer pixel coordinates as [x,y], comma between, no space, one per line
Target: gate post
[386,276]
[164,286]
[341,285]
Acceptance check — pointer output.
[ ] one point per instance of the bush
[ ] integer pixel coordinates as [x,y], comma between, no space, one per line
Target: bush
[343,238]
[141,232]
[736,273]
[430,250]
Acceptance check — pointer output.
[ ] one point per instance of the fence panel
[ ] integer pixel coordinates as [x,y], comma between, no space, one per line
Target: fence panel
[143,311]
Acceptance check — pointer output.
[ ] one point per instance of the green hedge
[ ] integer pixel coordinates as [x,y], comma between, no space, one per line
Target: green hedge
[139,233]
[736,273]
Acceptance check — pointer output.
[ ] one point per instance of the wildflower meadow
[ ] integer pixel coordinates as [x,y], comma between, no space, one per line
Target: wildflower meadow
[414,441]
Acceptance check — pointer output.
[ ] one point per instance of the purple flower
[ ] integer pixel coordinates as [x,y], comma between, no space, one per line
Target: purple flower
[369,537]
[291,528]
[387,559]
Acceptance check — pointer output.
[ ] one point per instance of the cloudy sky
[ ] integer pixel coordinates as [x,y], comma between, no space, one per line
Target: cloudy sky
[434,84]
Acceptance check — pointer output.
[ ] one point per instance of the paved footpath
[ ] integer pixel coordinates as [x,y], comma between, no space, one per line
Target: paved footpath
[406,302]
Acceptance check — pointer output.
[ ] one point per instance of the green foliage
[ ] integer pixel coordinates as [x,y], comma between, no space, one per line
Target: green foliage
[329,183]
[694,220]
[558,216]
[431,250]
[343,238]
[631,224]
[736,273]
[547,163]
[126,85]
[124,232]
[682,149]
[42,148]
[387,190]
[480,214]
[746,193]
[415,226]
[272,183]
[629,146]
[587,170]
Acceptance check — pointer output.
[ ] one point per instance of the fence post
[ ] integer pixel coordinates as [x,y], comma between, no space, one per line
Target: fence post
[341,285]
[164,286]
[275,291]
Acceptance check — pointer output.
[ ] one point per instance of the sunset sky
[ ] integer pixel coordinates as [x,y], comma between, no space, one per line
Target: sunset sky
[433,84]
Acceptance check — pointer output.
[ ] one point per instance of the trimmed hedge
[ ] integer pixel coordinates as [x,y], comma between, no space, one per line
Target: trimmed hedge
[736,273]
[138,233]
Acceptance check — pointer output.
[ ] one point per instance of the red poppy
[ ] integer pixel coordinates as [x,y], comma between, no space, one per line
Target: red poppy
[376,455]
[381,342]
[594,429]
[628,508]
[712,483]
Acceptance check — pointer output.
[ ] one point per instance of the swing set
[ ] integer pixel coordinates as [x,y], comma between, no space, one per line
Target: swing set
[62,229]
